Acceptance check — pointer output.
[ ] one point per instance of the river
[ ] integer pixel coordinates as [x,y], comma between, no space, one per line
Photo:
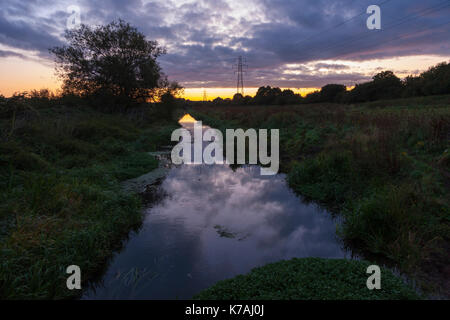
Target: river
[211,223]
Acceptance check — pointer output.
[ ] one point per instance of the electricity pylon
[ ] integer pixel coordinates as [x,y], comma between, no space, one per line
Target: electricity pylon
[240,75]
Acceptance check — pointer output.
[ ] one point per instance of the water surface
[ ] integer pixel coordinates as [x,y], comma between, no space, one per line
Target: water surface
[212,224]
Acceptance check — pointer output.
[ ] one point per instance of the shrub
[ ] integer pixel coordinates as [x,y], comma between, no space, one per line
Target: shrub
[326,178]
[91,130]
[20,158]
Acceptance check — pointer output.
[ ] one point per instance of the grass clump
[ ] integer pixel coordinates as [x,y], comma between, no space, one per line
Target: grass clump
[309,279]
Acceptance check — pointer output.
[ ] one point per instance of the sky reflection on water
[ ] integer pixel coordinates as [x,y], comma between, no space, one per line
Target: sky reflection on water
[213,224]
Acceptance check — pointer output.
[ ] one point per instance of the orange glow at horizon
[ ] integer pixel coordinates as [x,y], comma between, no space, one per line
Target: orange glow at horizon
[196,94]
[18,75]
[187,118]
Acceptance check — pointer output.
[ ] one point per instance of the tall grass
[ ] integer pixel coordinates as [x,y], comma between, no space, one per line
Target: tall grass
[60,196]
[384,166]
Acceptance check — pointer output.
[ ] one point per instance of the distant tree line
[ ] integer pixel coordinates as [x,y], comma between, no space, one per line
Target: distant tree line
[265,95]
[384,85]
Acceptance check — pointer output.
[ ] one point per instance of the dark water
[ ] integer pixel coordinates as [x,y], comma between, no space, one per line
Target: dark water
[213,224]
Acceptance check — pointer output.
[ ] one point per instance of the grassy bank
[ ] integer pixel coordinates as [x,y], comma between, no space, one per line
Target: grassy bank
[61,201]
[384,166]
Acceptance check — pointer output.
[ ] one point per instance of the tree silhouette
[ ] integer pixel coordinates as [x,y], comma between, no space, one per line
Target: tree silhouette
[115,59]
[332,92]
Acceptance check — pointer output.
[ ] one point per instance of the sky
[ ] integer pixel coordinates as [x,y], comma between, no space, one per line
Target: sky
[297,44]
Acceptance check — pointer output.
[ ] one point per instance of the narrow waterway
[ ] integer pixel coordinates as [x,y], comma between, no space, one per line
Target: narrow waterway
[212,223]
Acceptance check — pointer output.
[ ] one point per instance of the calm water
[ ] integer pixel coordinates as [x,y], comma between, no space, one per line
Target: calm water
[212,224]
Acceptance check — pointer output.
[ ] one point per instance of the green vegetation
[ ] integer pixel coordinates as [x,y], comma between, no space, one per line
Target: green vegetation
[384,85]
[60,196]
[63,158]
[384,166]
[309,279]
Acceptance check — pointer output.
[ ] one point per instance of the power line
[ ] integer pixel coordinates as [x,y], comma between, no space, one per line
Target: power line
[405,19]
[400,37]
[338,25]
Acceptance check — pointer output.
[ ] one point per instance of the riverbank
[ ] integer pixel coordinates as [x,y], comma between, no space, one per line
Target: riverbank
[383,166]
[62,202]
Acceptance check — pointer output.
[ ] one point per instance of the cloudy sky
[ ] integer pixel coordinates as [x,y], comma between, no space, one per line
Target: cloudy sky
[298,44]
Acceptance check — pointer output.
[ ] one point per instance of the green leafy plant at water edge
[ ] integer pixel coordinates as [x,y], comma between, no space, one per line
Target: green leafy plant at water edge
[309,279]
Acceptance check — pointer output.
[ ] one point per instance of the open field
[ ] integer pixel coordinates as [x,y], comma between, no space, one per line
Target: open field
[384,166]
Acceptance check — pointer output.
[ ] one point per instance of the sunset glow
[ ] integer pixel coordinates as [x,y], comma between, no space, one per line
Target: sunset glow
[187,118]
[201,53]
[19,74]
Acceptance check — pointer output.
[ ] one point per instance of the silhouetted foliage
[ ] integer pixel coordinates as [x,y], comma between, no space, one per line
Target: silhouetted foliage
[436,80]
[289,97]
[332,92]
[166,107]
[238,98]
[267,95]
[313,97]
[218,101]
[328,93]
[114,61]
[413,86]
[385,85]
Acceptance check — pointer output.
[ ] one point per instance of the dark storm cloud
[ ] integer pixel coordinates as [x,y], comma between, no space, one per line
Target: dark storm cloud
[301,41]
[28,35]
[204,37]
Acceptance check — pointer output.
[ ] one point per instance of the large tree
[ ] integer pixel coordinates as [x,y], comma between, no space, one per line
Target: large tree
[115,59]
